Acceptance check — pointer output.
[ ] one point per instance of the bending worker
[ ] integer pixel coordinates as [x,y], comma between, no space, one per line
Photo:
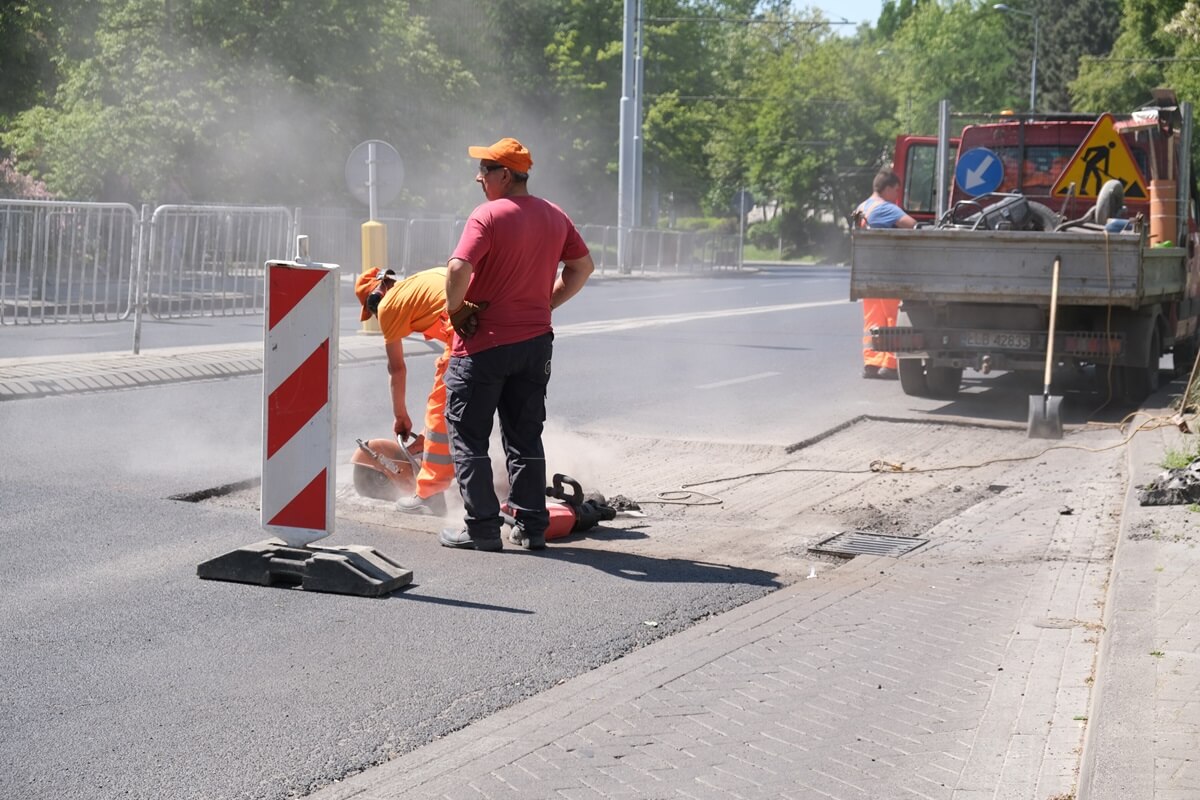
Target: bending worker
[881,210]
[501,284]
[416,304]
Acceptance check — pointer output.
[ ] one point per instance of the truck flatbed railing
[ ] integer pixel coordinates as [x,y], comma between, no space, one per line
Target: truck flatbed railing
[953,265]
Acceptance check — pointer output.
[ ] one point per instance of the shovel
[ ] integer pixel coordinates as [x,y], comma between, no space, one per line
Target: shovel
[1045,419]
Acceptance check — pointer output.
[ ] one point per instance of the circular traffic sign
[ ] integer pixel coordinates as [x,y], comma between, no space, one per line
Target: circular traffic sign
[389,172]
[979,171]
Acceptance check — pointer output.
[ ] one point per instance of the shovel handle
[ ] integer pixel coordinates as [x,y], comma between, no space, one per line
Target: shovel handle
[1053,319]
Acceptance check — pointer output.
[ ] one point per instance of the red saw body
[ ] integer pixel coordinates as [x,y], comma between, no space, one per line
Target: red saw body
[573,513]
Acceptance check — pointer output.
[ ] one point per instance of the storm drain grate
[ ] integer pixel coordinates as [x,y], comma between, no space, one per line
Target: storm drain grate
[856,543]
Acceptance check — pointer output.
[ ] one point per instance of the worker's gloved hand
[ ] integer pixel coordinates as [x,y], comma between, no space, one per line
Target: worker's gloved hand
[463,318]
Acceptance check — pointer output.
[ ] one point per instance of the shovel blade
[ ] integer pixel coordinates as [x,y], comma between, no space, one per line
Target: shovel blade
[1045,417]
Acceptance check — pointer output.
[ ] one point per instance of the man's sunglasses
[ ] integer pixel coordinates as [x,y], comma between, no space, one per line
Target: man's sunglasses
[376,295]
[484,169]
[374,299]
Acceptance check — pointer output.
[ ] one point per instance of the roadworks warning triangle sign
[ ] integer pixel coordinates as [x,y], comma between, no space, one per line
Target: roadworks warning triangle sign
[1104,155]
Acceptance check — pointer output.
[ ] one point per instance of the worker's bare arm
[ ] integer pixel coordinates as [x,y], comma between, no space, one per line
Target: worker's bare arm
[458,276]
[574,275]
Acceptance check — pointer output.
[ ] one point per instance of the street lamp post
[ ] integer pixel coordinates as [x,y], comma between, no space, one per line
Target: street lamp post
[1033,73]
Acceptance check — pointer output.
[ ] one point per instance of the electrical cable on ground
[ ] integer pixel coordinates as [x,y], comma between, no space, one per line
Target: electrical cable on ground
[880,465]
[680,497]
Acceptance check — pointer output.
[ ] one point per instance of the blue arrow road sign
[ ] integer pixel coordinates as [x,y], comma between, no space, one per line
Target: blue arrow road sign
[979,171]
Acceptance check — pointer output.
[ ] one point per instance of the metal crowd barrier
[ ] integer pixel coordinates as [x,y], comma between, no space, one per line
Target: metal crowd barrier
[66,262]
[429,242]
[416,244]
[663,251]
[209,260]
[63,261]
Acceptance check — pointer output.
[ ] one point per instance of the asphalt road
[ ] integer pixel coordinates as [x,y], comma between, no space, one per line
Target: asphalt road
[126,676]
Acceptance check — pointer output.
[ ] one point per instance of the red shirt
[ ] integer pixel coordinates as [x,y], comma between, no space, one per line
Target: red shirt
[514,246]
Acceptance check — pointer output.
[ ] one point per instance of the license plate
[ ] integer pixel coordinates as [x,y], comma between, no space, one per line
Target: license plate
[1004,340]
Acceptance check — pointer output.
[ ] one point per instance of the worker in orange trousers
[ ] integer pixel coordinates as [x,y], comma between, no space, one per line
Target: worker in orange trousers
[416,304]
[881,210]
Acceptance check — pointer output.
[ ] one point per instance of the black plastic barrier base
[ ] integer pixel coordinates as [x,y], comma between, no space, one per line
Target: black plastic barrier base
[349,569]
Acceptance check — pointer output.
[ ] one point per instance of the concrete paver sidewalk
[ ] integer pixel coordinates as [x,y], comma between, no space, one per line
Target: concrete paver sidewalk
[962,670]
[1147,700]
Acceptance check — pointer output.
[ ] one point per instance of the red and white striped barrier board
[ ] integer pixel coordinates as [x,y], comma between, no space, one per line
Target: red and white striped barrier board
[299,387]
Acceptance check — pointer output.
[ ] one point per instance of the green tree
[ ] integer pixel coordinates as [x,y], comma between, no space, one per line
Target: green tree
[26,53]
[894,14]
[1183,74]
[233,101]
[815,117]
[958,51]
[1069,30]
[1136,65]
[683,49]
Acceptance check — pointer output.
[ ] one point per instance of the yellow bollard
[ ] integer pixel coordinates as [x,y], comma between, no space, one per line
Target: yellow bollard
[374,254]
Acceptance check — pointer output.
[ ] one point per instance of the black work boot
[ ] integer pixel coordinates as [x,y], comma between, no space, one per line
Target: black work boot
[520,538]
[460,538]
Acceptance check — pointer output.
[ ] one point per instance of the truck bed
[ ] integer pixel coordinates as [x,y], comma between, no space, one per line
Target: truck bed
[953,265]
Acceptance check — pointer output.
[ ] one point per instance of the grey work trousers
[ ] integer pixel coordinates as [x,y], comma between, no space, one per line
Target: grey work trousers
[510,379]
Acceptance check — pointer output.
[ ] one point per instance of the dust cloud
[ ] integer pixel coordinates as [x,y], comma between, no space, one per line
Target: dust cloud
[200,448]
[587,459]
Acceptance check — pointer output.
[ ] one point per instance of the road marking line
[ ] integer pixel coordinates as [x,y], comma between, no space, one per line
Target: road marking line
[674,295]
[733,381]
[632,323]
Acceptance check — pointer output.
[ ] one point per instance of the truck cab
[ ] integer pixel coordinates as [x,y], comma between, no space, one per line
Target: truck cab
[915,163]
[978,296]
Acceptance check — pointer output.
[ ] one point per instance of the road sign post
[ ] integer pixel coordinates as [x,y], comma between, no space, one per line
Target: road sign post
[743,202]
[374,175]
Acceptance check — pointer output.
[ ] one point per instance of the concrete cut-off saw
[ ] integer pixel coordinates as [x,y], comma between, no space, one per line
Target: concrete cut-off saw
[573,512]
[386,470]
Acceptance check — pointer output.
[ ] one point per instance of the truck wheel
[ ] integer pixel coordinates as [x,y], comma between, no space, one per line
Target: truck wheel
[943,381]
[1139,382]
[912,376]
[1183,355]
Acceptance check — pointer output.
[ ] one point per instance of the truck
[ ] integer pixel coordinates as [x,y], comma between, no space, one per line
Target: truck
[1107,197]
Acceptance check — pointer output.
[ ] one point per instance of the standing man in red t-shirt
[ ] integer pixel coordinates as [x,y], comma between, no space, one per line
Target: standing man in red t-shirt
[501,283]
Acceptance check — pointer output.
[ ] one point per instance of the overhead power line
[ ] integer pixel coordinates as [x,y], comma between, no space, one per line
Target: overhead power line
[1138,60]
[745,99]
[750,21]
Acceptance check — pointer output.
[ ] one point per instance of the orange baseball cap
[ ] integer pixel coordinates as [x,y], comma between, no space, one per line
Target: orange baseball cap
[367,283]
[506,152]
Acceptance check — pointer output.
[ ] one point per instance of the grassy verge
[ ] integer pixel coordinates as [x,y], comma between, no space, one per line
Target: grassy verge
[752,253]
